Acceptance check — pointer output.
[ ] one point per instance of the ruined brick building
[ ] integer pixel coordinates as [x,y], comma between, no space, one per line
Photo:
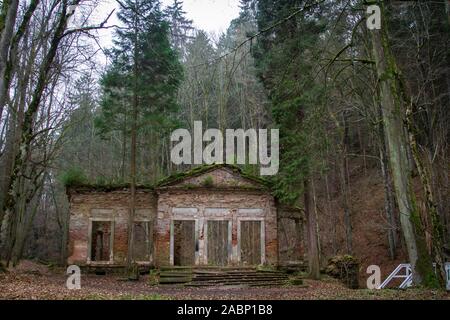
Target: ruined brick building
[212,215]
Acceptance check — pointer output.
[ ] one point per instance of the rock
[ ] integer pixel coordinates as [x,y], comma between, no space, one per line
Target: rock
[344,268]
[31,267]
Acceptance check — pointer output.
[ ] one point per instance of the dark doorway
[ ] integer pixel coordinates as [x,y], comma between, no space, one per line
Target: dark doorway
[184,242]
[101,240]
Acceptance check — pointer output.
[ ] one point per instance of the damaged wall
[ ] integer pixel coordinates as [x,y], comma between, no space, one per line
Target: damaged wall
[87,207]
[218,195]
[231,216]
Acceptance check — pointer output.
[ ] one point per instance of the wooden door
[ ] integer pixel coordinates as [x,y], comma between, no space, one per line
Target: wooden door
[217,242]
[184,242]
[250,242]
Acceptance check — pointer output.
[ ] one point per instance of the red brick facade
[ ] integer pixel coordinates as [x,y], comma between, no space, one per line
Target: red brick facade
[219,194]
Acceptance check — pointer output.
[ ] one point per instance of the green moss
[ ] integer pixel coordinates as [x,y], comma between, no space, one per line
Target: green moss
[153,277]
[179,176]
[265,267]
[424,264]
[75,179]
[208,182]
[296,281]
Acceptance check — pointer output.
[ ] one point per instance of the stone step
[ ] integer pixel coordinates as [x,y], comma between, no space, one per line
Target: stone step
[239,274]
[174,274]
[223,276]
[236,272]
[237,278]
[246,284]
[208,268]
[167,280]
[175,268]
[248,274]
[238,281]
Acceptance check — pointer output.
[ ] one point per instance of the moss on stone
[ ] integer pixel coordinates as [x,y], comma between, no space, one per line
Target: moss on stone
[199,170]
[76,181]
[208,182]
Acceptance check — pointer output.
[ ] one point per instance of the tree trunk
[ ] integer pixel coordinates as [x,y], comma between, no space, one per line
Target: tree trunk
[8,17]
[388,194]
[436,226]
[393,103]
[313,243]
[9,45]
[130,269]
[7,239]
[345,185]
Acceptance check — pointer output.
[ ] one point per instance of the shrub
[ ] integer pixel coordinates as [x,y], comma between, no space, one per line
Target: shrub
[73,177]
[344,268]
[208,181]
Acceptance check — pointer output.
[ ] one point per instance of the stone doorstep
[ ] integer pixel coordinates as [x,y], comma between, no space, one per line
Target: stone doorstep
[219,277]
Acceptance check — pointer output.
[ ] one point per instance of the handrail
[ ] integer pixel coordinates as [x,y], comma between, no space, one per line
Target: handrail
[408,276]
[394,275]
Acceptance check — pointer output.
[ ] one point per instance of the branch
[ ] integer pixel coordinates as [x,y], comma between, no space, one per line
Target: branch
[363,61]
[250,38]
[100,26]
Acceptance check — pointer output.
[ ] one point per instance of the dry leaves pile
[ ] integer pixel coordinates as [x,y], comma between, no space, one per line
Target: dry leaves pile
[48,285]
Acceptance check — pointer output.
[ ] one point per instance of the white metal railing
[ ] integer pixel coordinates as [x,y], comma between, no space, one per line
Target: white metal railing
[408,277]
[406,274]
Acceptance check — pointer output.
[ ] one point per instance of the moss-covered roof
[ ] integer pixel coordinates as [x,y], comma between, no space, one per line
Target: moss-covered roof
[167,181]
[106,187]
[197,171]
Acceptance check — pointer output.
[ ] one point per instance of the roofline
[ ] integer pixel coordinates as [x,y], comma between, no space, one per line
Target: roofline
[172,180]
[199,170]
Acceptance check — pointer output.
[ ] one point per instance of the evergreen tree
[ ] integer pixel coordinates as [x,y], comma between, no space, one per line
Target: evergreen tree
[140,86]
[285,58]
[181,29]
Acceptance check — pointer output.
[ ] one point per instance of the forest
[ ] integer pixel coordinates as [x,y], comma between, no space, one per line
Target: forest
[362,115]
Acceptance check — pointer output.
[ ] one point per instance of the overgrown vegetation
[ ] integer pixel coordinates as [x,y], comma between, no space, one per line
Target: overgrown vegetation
[208,182]
[73,177]
[351,104]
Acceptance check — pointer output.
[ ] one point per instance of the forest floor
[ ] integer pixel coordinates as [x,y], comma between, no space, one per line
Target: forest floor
[46,284]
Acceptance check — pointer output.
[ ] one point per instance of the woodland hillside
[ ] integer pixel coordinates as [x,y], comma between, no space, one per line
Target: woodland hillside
[363,116]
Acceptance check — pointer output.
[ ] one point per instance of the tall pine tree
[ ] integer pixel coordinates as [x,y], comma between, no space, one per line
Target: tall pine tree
[285,58]
[141,84]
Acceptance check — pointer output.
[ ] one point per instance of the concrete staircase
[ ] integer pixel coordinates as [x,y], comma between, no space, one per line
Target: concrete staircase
[226,276]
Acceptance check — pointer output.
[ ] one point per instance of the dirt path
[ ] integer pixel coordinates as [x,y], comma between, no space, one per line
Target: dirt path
[52,286]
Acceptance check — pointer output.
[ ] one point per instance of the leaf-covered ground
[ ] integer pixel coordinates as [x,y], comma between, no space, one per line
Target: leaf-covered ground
[52,285]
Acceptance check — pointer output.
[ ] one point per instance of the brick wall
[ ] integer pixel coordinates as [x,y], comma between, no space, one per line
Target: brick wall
[230,197]
[109,206]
